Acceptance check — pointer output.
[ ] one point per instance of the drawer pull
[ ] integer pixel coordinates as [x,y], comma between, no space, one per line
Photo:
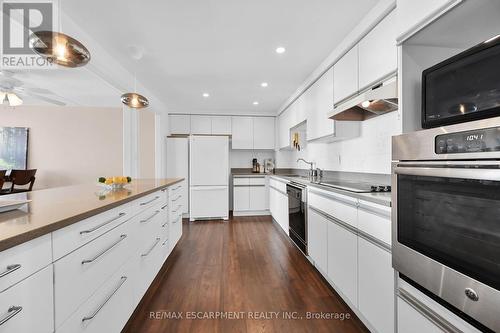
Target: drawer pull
[149,218]
[178,197]
[10,269]
[177,209]
[90,317]
[88,261]
[177,219]
[176,188]
[150,201]
[102,224]
[13,310]
[164,206]
[152,247]
[164,224]
[165,242]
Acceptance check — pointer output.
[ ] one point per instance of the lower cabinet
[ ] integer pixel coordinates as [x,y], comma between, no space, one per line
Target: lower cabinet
[250,196]
[28,306]
[317,230]
[412,321]
[376,285]
[278,205]
[343,260]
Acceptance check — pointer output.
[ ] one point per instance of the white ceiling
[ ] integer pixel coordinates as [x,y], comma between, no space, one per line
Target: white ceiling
[223,47]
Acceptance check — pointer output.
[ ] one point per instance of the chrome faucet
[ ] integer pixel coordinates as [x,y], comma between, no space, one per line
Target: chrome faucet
[315,174]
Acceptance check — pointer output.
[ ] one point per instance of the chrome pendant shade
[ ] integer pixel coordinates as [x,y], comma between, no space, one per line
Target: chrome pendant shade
[135,100]
[59,48]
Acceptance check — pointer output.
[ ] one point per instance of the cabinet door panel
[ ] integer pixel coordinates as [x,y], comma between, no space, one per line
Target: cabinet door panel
[241,198]
[242,133]
[221,125]
[342,260]
[201,125]
[377,52]
[180,124]
[317,240]
[319,101]
[258,197]
[263,133]
[376,285]
[345,75]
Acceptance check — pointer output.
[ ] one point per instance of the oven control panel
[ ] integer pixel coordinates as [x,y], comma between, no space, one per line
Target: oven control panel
[476,141]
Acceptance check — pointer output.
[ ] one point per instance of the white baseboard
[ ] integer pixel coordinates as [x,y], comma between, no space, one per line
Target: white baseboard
[251,213]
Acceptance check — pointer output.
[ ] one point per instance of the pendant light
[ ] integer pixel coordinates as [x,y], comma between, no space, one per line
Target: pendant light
[133,99]
[11,98]
[59,48]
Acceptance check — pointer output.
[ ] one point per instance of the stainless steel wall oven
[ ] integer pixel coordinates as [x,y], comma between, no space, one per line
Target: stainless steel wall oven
[446,216]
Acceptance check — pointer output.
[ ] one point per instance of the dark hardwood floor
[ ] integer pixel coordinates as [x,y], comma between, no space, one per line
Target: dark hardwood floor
[245,265]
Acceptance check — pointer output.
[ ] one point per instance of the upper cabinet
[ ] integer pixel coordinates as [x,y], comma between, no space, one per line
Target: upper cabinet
[345,75]
[253,133]
[179,124]
[378,53]
[221,125]
[284,125]
[201,125]
[263,133]
[242,133]
[414,15]
[319,101]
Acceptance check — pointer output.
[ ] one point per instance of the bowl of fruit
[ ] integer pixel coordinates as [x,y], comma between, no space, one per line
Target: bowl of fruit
[114,183]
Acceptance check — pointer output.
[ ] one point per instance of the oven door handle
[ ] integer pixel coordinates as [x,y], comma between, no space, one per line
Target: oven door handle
[463,173]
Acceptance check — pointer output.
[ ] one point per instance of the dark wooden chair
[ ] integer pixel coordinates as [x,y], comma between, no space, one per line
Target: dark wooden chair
[22,178]
[2,178]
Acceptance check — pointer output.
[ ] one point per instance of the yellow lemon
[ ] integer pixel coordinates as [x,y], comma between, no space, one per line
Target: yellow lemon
[124,180]
[117,179]
[108,181]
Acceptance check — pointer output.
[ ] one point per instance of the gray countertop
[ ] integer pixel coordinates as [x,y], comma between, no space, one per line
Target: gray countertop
[381,198]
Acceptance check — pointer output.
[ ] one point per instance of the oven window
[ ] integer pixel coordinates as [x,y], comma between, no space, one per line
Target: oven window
[453,221]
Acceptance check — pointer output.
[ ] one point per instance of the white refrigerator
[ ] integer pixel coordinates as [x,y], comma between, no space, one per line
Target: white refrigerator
[178,166]
[208,177]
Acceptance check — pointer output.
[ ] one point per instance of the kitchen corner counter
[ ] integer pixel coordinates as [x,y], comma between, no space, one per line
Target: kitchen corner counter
[381,198]
[55,208]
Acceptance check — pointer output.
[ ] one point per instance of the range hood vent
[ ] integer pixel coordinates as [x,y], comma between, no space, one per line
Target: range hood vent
[378,100]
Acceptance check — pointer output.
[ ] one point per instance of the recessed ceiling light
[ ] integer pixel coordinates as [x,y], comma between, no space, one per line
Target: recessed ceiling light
[264,84]
[206,95]
[280,50]
[255,103]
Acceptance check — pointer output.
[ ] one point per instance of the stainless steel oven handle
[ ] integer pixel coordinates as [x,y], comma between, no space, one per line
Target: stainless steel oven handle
[463,173]
[428,313]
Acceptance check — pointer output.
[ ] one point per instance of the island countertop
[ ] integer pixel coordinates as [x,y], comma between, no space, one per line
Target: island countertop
[55,208]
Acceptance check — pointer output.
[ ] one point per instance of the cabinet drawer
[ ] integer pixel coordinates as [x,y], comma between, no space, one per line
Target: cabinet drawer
[239,181]
[29,305]
[339,206]
[148,261]
[257,181]
[19,262]
[108,309]
[281,186]
[79,274]
[175,190]
[159,197]
[68,239]
[375,220]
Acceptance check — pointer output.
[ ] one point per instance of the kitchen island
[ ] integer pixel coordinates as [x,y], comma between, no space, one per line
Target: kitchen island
[76,256]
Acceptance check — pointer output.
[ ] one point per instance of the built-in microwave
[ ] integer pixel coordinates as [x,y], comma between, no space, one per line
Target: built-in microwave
[464,87]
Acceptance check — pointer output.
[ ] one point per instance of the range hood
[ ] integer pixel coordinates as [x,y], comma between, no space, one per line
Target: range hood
[379,99]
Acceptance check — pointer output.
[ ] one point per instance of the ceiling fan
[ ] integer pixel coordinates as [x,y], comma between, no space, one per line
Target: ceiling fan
[12,91]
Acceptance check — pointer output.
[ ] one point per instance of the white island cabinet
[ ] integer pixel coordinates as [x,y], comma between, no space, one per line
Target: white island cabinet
[89,275]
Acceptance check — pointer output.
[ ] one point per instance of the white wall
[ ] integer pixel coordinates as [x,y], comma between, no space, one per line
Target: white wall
[243,158]
[370,152]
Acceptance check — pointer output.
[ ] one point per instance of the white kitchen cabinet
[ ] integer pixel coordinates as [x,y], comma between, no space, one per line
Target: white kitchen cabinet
[283,211]
[376,285]
[378,52]
[299,111]
[413,15]
[263,133]
[241,198]
[179,124]
[209,202]
[284,129]
[221,125]
[345,75]
[258,198]
[317,233]
[178,167]
[29,305]
[250,196]
[342,259]
[319,101]
[201,125]
[242,137]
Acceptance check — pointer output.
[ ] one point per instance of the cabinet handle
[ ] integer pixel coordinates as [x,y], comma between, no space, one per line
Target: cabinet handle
[178,197]
[11,312]
[164,224]
[149,218]
[10,269]
[164,206]
[102,224]
[88,261]
[177,209]
[151,249]
[165,242]
[96,311]
[150,201]
[176,188]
